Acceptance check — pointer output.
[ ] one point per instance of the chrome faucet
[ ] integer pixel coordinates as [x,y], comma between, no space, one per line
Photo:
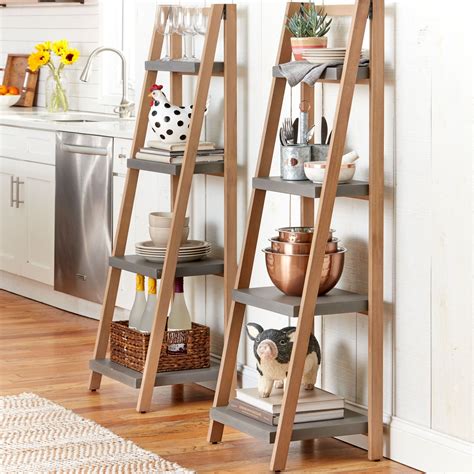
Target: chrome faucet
[125,109]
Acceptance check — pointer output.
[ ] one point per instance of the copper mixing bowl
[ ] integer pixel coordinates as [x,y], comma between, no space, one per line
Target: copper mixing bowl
[298,234]
[299,248]
[287,272]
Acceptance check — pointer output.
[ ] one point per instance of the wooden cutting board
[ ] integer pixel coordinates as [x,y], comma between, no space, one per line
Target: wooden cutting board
[17,73]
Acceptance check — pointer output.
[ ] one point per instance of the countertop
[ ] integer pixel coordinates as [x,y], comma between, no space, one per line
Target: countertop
[96,124]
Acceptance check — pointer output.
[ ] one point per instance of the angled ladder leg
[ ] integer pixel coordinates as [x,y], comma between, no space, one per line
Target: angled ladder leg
[237,310]
[376,182]
[179,212]
[322,224]
[125,215]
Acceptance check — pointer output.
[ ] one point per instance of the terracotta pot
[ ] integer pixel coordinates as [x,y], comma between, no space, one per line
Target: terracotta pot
[300,44]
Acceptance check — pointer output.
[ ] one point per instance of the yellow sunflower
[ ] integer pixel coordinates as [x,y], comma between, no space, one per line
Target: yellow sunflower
[70,56]
[45,46]
[38,59]
[60,46]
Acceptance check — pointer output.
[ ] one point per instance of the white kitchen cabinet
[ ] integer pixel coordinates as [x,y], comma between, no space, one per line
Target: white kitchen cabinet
[27,216]
[12,228]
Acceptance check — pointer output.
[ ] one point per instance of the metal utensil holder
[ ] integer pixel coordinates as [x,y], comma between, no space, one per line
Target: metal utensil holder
[292,160]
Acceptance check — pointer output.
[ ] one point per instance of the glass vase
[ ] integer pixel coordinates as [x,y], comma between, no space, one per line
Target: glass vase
[56,92]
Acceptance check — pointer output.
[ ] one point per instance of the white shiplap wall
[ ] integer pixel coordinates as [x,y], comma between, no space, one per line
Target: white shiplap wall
[428,224]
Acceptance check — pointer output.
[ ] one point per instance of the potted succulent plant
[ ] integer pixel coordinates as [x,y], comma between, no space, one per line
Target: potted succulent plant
[308,26]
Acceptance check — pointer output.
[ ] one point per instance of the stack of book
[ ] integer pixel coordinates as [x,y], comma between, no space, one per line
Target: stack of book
[314,405]
[174,152]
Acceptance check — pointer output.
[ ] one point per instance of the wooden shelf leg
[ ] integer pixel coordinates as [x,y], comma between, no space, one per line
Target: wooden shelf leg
[179,212]
[125,215]
[376,203]
[322,224]
[257,200]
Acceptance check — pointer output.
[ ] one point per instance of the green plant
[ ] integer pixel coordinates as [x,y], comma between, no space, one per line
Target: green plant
[309,22]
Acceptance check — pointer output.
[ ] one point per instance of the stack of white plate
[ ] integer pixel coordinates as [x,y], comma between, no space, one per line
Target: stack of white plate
[188,252]
[324,55]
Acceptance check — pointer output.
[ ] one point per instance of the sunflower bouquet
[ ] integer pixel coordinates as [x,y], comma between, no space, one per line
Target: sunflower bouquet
[56,97]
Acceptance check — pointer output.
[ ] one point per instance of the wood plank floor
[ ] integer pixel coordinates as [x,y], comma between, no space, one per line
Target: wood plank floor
[46,351]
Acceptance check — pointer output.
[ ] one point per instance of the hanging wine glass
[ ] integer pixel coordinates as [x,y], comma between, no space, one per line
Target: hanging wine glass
[189,20]
[177,24]
[201,21]
[163,27]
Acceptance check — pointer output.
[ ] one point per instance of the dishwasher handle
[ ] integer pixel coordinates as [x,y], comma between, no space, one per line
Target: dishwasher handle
[84,150]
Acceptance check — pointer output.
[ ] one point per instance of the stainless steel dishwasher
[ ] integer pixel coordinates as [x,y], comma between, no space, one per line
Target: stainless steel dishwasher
[83,223]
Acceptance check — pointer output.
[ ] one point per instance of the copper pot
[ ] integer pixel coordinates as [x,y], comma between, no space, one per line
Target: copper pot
[299,248]
[298,234]
[287,272]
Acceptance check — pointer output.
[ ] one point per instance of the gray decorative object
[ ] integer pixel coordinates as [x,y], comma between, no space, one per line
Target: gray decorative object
[272,349]
[170,123]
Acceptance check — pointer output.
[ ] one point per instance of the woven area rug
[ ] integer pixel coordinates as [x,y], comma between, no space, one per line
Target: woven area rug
[38,436]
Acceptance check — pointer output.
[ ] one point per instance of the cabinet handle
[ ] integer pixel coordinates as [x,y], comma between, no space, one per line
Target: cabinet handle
[122,156]
[18,202]
[12,199]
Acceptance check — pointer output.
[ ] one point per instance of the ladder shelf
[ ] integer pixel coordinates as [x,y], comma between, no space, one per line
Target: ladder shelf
[309,304]
[181,176]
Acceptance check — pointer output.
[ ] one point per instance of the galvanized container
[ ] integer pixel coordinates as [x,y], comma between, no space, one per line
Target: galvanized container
[292,160]
[319,152]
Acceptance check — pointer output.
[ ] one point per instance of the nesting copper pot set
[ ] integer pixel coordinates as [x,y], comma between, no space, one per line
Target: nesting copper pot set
[288,256]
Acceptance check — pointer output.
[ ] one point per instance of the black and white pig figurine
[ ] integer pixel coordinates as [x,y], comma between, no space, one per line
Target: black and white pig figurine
[272,349]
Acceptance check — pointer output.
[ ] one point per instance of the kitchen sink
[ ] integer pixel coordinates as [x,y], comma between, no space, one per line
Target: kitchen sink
[79,118]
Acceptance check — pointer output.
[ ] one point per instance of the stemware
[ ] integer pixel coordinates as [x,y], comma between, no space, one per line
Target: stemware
[163,27]
[201,21]
[177,24]
[189,21]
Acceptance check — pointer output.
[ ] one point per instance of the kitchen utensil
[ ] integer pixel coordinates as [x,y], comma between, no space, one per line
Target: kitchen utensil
[319,152]
[299,234]
[350,157]
[7,101]
[160,235]
[288,130]
[324,130]
[299,248]
[329,138]
[315,171]
[163,219]
[309,135]
[288,272]
[292,160]
[295,131]
[282,137]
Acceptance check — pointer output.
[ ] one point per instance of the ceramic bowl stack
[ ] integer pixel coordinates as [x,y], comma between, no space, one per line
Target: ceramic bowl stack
[154,250]
[287,260]
[324,55]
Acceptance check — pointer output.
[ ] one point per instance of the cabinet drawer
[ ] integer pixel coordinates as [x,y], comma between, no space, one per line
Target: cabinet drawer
[122,148]
[28,144]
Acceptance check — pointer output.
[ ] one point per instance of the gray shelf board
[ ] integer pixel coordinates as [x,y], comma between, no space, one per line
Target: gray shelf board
[309,189]
[137,264]
[183,67]
[272,299]
[211,167]
[352,423]
[133,379]
[332,73]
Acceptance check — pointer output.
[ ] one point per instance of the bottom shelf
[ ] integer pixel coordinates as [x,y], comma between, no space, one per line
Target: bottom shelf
[133,379]
[352,423]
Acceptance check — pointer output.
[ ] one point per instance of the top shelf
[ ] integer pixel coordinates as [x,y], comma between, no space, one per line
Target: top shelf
[334,74]
[182,67]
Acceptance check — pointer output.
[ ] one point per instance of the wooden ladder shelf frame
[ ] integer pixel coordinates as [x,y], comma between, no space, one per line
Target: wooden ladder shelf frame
[180,185]
[360,12]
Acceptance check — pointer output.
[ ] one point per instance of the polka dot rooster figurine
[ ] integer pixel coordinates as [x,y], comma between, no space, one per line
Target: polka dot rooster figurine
[170,123]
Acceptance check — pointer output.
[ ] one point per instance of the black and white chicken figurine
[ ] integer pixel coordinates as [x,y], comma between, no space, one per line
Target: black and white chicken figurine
[170,123]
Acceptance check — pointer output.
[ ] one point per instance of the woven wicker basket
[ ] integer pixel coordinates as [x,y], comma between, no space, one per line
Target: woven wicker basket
[128,347]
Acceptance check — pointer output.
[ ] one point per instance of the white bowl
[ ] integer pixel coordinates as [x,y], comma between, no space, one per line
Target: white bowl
[315,171]
[8,100]
[163,219]
[160,235]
